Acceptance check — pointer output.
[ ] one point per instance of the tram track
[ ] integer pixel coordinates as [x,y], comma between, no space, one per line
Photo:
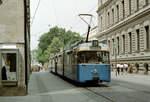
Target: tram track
[125,85]
[99,94]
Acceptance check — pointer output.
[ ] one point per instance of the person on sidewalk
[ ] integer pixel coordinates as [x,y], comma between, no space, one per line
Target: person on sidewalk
[118,69]
[122,69]
[131,70]
[4,74]
[126,68]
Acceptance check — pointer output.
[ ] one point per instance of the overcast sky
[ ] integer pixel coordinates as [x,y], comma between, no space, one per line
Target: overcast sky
[63,13]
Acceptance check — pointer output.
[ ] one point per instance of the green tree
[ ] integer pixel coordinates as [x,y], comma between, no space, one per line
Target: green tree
[54,47]
[46,39]
[40,56]
[53,41]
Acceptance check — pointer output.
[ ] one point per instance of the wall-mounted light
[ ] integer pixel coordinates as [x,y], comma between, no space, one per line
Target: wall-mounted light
[1,2]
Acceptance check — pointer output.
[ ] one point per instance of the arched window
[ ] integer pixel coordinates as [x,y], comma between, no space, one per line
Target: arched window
[118,42]
[101,22]
[117,12]
[113,49]
[130,42]
[113,15]
[130,7]
[147,37]
[123,8]
[138,39]
[123,43]
[146,2]
[108,18]
[137,4]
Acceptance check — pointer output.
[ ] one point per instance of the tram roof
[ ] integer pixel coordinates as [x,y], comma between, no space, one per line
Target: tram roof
[86,46]
[81,46]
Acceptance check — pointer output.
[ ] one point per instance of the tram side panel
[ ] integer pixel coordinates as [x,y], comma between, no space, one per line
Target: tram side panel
[68,66]
[74,68]
[60,65]
[71,71]
[53,65]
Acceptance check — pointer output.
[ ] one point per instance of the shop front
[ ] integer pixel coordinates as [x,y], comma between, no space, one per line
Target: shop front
[9,67]
[12,71]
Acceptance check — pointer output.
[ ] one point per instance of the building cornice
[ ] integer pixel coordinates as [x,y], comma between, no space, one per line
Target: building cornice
[138,14]
[145,58]
[104,5]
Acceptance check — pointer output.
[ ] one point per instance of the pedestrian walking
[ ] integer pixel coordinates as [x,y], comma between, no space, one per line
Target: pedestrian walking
[126,68]
[118,69]
[121,67]
[39,67]
[131,69]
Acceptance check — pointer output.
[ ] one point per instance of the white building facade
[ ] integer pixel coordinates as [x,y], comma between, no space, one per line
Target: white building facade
[125,25]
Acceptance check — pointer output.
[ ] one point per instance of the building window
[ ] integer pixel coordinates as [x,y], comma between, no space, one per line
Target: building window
[1,2]
[113,42]
[146,68]
[101,22]
[146,1]
[113,15]
[117,12]
[137,4]
[9,66]
[138,39]
[123,43]
[108,18]
[130,42]
[109,43]
[130,7]
[123,9]
[147,37]
[118,44]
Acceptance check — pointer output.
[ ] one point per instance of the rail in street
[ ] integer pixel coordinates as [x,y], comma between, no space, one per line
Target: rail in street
[46,87]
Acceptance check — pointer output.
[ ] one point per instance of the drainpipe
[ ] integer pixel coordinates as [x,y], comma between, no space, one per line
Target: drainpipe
[25,45]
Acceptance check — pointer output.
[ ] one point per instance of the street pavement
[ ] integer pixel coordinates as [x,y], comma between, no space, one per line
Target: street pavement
[46,87]
[132,78]
[127,88]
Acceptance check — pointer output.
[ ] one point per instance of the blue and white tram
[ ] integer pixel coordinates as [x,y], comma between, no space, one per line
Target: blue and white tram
[84,61]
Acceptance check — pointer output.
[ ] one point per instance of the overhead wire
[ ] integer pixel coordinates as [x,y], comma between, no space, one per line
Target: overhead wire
[35,12]
[55,14]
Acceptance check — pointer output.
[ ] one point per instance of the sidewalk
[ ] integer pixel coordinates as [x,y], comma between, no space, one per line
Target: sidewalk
[133,78]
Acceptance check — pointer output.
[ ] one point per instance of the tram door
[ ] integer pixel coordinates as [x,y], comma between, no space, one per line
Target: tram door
[9,65]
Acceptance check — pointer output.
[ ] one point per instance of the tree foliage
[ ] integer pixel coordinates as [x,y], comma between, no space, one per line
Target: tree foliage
[53,41]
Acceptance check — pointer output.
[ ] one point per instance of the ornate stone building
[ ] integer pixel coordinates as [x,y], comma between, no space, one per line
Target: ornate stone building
[125,25]
[14,47]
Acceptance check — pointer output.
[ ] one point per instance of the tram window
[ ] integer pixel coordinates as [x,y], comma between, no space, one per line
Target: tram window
[9,66]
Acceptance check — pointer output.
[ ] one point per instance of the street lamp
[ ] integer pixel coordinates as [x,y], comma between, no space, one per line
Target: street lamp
[89,24]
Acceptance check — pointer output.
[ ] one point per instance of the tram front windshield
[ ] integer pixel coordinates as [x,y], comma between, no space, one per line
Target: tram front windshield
[93,57]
